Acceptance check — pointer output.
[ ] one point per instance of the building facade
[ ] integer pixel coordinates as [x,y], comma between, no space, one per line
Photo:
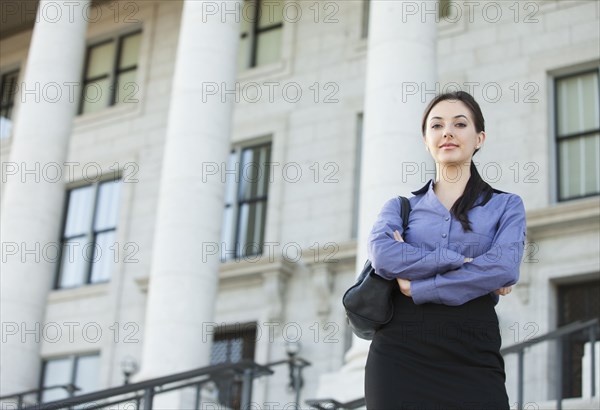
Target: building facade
[191,183]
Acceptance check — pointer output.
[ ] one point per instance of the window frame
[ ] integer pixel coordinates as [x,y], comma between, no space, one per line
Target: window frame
[90,235]
[248,333]
[563,317]
[74,359]
[558,139]
[237,204]
[255,32]
[10,104]
[115,71]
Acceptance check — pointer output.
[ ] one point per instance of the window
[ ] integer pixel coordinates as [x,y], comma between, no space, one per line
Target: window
[246,189]
[88,247]
[232,344]
[81,371]
[110,73]
[577,125]
[8,89]
[576,302]
[357,164]
[262,27]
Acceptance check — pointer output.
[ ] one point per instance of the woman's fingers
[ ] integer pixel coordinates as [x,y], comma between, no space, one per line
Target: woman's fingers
[404,285]
[503,291]
[398,237]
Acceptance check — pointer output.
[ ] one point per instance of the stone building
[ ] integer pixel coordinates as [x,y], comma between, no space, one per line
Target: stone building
[191,183]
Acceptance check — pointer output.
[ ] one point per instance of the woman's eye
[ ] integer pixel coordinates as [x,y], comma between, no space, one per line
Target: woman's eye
[435,125]
[460,124]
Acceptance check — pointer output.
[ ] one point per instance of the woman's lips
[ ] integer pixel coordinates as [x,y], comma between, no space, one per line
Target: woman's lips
[448,146]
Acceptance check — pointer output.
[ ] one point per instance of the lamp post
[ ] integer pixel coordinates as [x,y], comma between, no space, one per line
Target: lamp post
[128,366]
[296,365]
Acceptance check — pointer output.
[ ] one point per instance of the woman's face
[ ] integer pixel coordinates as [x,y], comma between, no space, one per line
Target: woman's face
[450,134]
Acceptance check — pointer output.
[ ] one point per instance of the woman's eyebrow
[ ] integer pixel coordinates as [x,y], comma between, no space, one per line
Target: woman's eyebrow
[456,116]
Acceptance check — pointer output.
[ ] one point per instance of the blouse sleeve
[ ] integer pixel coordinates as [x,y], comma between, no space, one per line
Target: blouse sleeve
[393,259]
[497,268]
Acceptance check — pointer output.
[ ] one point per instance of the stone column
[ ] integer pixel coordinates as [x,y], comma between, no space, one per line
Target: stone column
[33,208]
[401,73]
[184,279]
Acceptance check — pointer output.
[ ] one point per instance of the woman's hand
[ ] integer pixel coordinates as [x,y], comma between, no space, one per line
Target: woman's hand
[403,283]
[398,237]
[503,291]
[404,286]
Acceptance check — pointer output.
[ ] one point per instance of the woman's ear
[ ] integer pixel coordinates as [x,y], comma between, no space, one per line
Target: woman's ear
[480,138]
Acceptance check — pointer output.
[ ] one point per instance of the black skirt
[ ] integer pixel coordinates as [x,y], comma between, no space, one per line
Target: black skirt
[437,357]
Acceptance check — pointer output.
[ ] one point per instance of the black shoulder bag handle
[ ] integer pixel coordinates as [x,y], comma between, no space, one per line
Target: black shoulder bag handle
[368,302]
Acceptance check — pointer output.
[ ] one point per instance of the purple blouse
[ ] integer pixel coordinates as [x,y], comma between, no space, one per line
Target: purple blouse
[435,245]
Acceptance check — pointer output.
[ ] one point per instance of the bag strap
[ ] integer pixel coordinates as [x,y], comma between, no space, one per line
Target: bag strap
[404,211]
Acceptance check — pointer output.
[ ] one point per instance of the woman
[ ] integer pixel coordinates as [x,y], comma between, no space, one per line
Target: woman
[461,250]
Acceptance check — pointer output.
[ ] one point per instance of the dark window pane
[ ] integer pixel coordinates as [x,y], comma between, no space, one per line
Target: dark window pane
[576,302]
[230,345]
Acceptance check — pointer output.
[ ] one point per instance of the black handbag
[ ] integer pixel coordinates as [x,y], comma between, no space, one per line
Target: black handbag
[368,302]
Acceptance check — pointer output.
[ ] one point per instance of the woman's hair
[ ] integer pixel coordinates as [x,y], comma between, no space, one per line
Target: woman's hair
[476,185]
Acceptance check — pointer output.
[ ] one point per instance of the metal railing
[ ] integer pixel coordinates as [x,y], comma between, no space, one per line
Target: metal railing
[331,404]
[19,398]
[591,326]
[143,393]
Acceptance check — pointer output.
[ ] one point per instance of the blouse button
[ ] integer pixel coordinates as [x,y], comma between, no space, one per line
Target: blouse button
[447,218]
[444,235]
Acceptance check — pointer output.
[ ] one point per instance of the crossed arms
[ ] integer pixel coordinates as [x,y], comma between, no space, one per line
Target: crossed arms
[442,275]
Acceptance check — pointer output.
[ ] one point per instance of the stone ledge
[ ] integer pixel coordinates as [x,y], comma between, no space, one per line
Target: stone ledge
[82,292]
[568,217]
[251,271]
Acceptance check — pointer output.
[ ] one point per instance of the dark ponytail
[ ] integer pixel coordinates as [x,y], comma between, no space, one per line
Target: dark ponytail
[476,186]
